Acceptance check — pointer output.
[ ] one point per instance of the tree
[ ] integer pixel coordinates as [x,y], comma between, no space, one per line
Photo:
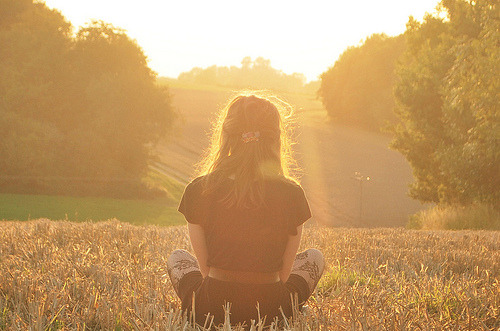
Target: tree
[11,10]
[448,104]
[358,89]
[122,105]
[78,114]
[35,42]
[471,95]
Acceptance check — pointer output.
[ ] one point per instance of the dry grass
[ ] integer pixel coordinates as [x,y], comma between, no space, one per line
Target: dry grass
[112,275]
[476,216]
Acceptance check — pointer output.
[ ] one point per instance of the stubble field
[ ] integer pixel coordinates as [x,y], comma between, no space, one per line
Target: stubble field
[112,275]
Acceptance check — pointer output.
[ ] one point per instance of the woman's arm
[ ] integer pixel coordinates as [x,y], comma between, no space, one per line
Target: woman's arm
[289,256]
[198,241]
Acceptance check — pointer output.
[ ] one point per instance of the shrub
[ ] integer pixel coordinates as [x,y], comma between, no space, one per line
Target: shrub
[476,216]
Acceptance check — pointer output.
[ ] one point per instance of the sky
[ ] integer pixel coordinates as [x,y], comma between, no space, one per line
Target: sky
[296,36]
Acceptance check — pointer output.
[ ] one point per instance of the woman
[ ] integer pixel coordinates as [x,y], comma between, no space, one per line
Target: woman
[245,216]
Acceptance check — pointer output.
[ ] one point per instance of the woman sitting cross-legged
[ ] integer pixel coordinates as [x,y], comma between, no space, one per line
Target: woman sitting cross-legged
[245,216]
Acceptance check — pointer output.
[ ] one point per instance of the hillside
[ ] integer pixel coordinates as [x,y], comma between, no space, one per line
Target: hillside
[329,155]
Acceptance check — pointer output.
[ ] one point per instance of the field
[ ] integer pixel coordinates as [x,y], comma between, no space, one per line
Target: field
[112,275]
[25,207]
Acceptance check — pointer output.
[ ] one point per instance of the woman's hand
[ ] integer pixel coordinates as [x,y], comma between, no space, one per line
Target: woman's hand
[290,252]
[198,241]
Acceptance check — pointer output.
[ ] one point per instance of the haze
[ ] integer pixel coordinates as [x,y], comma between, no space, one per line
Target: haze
[179,35]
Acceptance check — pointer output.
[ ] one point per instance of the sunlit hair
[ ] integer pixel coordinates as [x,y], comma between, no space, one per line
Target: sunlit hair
[249,163]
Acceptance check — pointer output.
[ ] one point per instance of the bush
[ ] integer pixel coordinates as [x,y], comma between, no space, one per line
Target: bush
[476,216]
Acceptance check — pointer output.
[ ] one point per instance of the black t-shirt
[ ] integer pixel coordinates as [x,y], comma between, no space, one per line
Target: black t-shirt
[246,239]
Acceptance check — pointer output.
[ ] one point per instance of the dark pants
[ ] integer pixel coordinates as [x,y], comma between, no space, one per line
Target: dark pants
[212,295]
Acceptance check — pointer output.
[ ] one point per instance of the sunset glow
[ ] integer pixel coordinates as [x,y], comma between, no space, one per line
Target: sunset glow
[177,36]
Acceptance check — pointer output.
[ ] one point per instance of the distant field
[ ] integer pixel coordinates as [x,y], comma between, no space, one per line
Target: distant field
[113,276]
[26,207]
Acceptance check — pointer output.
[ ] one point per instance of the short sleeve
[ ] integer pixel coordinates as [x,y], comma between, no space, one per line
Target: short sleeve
[299,210]
[192,204]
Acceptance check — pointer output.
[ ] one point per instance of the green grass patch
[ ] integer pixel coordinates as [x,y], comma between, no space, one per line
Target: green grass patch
[25,207]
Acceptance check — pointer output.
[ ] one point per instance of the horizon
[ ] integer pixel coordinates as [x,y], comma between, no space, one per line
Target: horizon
[178,37]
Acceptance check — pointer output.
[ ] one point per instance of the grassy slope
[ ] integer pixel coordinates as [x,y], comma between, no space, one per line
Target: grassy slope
[25,207]
[112,275]
[159,211]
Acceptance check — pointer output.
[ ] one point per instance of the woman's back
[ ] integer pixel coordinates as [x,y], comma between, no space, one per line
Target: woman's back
[246,239]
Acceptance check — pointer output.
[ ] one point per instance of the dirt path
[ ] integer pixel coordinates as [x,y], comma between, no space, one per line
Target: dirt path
[337,161]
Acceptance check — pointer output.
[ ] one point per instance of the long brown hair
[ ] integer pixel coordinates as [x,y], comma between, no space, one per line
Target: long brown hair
[267,154]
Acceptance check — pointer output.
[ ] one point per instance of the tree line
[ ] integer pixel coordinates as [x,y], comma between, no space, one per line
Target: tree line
[252,74]
[440,79]
[79,111]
